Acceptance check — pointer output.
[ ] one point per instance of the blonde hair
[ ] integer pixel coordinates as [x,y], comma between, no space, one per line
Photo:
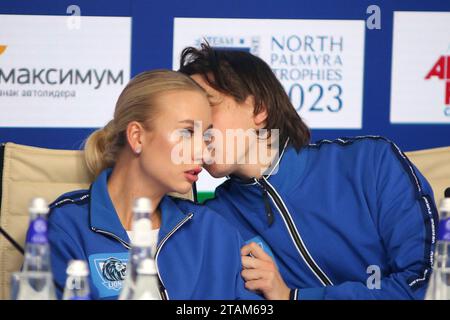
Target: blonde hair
[135,103]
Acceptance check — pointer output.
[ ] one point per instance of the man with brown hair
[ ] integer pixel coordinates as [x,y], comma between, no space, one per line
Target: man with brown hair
[350,218]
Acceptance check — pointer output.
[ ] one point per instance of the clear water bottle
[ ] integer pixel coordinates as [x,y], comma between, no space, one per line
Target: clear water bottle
[439,285]
[36,279]
[77,282]
[37,249]
[140,246]
[147,282]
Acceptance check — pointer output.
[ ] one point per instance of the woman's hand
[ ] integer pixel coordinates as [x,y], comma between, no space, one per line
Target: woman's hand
[260,273]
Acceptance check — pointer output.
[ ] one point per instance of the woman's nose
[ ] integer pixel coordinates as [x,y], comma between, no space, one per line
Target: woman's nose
[198,148]
[203,151]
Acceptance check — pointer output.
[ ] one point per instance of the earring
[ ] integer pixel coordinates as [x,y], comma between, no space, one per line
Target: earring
[138,150]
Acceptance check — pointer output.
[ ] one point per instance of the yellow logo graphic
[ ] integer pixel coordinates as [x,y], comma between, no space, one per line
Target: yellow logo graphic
[2,49]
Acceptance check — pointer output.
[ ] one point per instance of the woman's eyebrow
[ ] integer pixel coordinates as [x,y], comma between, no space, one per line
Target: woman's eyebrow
[188,121]
[196,123]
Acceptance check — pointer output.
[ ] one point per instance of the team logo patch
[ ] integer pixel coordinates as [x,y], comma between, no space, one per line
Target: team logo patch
[108,271]
[260,242]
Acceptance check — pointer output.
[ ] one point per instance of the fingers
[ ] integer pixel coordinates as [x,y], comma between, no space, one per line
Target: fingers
[251,263]
[254,274]
[258,285]
[266,282]
[246,250]
[254,263]
[261,274]
[256,251]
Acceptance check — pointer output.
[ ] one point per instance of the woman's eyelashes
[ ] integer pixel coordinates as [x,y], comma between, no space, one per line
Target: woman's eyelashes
[208,135]
[187,132]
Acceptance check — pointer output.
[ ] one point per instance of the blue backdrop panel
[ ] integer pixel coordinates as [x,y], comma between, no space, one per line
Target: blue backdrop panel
[152,38]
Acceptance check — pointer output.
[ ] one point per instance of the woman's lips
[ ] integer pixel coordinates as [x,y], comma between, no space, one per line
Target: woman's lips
[192,175]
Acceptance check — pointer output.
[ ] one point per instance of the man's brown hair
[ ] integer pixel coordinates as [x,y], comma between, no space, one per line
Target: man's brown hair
[240,74]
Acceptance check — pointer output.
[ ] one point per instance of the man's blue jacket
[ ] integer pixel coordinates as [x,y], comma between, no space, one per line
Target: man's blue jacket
[345,219]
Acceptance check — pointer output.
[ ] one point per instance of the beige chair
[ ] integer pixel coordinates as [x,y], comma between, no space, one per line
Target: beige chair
[29,172]
[435,166]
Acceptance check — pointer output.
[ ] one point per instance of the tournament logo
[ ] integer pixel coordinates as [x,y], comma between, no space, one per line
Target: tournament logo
[318,62]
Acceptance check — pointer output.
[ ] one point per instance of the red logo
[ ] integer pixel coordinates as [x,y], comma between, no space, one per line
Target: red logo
[441,70]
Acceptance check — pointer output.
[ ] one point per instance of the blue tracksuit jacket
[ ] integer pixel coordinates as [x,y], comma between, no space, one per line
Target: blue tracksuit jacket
[198,253]
[337,217]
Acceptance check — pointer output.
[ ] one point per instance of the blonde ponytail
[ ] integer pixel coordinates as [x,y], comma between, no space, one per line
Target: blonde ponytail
[97,154]
[135,103]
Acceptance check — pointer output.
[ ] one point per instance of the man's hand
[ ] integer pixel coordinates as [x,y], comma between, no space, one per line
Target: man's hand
[260,273]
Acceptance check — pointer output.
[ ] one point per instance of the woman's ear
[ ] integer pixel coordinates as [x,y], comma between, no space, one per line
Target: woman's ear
[135,136]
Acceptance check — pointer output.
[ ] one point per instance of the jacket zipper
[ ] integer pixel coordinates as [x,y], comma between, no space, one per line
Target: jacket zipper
[298,242]
[163,290]
[161,244]
[269,212]
[112,235]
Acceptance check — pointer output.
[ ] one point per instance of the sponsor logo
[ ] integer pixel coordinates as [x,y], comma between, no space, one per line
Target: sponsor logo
[52,76]
[420,82]
[441,71]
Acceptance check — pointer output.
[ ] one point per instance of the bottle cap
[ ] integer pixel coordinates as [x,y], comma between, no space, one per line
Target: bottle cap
[77,268]
[38,206]
[142,205]
[444,205]
[147,267]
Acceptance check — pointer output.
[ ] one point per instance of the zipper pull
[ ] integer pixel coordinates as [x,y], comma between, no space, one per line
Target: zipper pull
[269,212]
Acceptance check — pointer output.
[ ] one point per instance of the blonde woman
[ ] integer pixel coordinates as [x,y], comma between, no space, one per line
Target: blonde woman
[198,253]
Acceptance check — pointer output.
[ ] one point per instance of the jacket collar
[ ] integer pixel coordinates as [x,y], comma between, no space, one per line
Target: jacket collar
[171,216]
[289,169]
[290,165]
[103,215]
